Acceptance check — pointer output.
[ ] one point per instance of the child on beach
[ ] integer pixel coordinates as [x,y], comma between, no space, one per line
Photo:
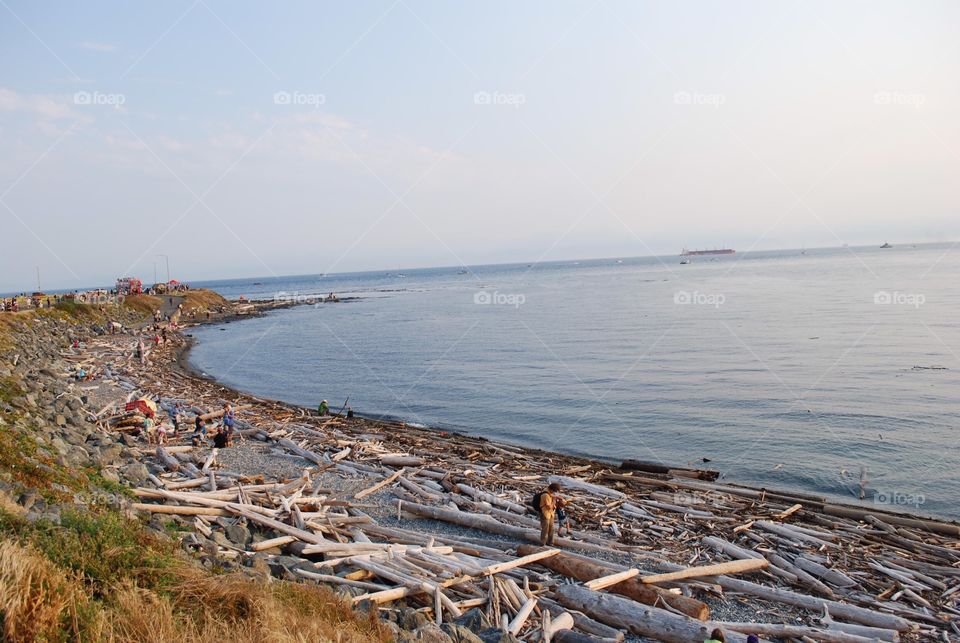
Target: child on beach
[151,431]
[563,521]
[716,637]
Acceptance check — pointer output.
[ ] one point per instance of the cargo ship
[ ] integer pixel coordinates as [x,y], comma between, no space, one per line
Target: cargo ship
[697,253]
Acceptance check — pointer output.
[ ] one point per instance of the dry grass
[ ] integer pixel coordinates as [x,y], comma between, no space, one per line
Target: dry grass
[202,300]
[234,608]
[38,600]
[143,304]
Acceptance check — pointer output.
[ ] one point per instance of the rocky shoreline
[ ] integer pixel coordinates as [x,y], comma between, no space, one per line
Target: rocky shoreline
[435,487]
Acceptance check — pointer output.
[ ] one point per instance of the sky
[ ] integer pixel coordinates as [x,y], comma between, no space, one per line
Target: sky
[234,139]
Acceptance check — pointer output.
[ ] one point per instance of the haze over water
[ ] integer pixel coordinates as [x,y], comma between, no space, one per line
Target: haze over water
[786,369]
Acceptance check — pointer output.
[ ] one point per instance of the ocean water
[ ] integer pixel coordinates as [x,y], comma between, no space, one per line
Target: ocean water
[825,371]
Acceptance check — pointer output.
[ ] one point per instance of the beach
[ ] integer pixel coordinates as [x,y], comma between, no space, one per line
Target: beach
[341,492]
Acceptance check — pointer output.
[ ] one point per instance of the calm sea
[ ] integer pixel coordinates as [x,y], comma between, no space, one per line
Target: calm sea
[817,370]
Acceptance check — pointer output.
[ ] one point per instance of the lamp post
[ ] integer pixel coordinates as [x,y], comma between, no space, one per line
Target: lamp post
[168,266]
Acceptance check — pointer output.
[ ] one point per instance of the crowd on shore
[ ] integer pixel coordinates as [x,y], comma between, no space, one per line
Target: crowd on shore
[37,300]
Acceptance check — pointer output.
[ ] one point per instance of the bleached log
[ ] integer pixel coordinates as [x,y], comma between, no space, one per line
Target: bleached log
[521,618]
[401,461]
[337,580]
[732,567]
[291,446]
[831,576]
[841,610]
[792,534]
[583,568]
[730,549]
[496,501]
[583,622]
[793,631]
[495,568]
[563,621]
[380,485]
[637,618]
[168,461]
[873,633]
[488,523]
[611,579]
[581,485]
[180,510]
[272,542]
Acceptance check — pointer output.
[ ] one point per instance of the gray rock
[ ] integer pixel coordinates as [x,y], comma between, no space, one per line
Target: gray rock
[135,472]
[411,619]
[475,620]
[429,633]
[494,635]
[238,534]
[459,633]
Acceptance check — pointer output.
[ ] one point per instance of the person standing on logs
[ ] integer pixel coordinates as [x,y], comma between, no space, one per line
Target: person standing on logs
[548,502]
[323,410]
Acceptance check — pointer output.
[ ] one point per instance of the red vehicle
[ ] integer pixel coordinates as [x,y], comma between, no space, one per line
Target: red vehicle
[129,286]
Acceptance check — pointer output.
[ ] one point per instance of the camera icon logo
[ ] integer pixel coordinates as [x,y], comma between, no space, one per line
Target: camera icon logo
[281,98]
[483,298]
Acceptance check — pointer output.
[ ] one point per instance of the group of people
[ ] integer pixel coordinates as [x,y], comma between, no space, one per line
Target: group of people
[41,300]
[221,435]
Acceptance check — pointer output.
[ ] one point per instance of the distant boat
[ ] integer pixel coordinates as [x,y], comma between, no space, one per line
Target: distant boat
[886,245]
[619,260]
[463,272]
[684,262]
[715,251]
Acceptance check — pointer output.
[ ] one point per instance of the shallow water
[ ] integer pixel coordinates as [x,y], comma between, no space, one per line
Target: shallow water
[784,369]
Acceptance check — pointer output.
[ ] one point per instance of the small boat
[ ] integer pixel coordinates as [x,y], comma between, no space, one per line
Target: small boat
[886,245]
[684,262]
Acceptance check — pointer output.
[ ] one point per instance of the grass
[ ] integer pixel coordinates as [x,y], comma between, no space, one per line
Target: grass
[99,575]
[143,304]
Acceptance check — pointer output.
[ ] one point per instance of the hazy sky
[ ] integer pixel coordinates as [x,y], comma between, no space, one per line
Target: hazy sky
[271,138]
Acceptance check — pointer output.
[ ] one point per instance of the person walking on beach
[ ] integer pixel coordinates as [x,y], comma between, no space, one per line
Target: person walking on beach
[228,422]
[547,504]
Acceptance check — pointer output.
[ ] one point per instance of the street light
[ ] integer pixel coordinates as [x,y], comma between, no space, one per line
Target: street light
[168,266]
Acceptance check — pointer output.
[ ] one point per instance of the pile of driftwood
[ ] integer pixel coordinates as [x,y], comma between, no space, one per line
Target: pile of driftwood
[649,551]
